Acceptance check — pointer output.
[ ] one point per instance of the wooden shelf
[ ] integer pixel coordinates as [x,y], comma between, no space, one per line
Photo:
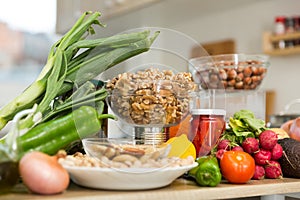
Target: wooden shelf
[269,39]
[282,52]
[288,36]
[178,190]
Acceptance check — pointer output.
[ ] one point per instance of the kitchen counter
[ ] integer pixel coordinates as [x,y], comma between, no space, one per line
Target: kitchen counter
[179,189]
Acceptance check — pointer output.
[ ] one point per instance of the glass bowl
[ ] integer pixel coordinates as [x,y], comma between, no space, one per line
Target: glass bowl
[157,103]
[148,100]
[230,71]
[123,152]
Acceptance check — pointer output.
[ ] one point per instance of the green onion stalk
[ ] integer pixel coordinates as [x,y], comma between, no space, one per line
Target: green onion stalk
[73,61]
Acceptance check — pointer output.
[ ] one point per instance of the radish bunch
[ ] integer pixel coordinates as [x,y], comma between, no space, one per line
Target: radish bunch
[266,156]
[265,150]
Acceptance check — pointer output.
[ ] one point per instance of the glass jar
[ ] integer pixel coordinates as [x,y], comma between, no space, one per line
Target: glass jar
[280,30]
[279,25]
[206,127]
[289,25]
[9,155]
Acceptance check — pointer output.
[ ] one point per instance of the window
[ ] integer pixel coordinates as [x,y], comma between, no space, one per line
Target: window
[29,15]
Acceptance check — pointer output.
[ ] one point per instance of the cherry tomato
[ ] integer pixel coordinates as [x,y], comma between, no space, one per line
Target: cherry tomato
[237,166]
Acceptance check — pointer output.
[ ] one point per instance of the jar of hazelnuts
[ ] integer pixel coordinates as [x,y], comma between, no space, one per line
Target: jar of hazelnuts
[230,71]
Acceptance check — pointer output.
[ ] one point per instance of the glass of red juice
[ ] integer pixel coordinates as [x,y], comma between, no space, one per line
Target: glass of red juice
[206,128]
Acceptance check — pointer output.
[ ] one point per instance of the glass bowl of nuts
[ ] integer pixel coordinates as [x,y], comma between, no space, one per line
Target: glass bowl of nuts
[125,152]
[150,98]
[150,103]
[230,71]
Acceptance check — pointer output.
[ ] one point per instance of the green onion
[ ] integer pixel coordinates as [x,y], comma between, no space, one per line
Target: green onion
[67,67]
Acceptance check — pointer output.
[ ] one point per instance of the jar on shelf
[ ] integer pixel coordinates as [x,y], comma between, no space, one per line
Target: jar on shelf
[296,23]
[289,43]
[289,25]
[279,25]
[279,30]
[297,28]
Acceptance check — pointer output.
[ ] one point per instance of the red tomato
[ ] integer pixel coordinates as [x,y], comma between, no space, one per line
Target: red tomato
[237,166]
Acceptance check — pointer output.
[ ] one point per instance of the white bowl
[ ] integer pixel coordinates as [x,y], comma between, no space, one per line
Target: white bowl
[131,179]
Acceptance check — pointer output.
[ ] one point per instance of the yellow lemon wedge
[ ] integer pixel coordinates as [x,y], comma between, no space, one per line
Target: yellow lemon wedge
[181,147]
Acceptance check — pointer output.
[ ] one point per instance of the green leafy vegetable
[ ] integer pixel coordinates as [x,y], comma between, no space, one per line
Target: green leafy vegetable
[243,124]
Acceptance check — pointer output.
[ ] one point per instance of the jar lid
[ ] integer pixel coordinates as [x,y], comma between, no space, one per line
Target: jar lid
[208,112]
[280,19]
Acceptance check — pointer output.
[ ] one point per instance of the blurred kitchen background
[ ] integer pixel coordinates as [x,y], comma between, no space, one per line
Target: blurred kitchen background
[229,26]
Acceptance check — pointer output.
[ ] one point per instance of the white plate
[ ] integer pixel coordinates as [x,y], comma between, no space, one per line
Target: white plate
[126,179]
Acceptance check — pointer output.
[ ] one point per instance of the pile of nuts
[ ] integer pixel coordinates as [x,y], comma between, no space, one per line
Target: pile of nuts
[229,75]
[151,96]
[132,157]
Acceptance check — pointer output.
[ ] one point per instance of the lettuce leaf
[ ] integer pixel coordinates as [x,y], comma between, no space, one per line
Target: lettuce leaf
[244,124]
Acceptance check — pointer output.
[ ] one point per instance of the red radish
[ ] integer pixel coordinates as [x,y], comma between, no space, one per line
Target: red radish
[277,152]
[220,153]
[223,144]
[273,170]
[268,139]
[259,172]
[262,157]
[237,148]
[250,145]
[42,174]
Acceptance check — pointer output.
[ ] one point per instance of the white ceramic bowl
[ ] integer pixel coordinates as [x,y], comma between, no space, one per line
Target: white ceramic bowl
[131,179]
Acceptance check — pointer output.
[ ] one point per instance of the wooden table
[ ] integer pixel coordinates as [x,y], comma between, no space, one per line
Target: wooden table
[180,189]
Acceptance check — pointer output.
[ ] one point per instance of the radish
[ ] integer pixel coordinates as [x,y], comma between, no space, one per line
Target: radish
[273,170]
[277,152]
[220,153]
[223,144]
[250,145]
[262,157]
[237,148]
[268,139]
[259,173]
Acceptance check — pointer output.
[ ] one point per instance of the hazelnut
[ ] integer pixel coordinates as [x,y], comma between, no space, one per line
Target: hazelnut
[239,85]
[255,79]
[255,71]
[231,82]
[214,78]
[239,77]
[261,70]
[247,71]
[231,74]
[240,68]
[223,74]
[247,80]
